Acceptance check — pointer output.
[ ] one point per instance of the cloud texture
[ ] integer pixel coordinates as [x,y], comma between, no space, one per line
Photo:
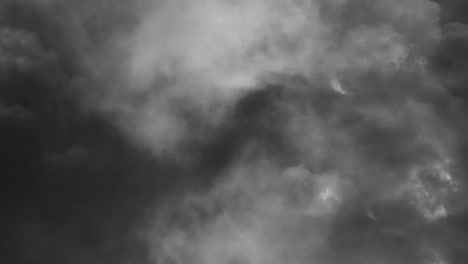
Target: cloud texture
[295,131]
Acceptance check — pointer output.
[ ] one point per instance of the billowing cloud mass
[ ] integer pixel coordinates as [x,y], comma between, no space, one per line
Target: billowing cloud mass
[292,131]
[199,57]
[356,111]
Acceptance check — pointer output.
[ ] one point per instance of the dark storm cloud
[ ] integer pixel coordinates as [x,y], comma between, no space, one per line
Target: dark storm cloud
[373,141]
[311,130]
[72,190]
[450,61]
[14,112]
[453,11]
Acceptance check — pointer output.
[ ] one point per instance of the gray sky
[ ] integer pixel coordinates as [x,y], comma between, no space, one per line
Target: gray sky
[215,131]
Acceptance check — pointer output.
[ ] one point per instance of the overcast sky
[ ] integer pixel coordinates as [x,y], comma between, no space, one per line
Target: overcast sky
[233,131]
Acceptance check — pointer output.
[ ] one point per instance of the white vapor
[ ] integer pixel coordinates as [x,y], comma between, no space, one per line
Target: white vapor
[199,57]
[375,139]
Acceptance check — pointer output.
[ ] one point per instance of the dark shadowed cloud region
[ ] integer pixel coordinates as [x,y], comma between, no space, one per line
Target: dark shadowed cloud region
[233,132]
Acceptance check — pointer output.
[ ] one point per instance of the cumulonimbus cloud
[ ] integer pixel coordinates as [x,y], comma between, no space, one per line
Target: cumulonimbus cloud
[200,57]
[359,118]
